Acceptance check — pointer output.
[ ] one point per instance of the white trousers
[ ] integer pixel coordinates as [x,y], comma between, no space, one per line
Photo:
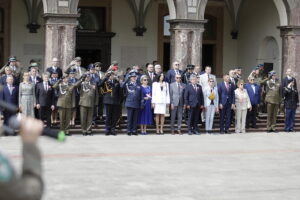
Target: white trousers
[240,121]
[209,117]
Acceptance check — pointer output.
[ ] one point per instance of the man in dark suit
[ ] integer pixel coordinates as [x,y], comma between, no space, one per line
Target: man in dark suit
[34,78]
[289,78]
[226,102]
[171,74]
[55,67]
[9,94]
[45,99]
[151,75]
[193,101]
[254,94]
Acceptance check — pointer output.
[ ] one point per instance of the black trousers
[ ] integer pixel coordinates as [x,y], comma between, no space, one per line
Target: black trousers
[194,113]
[111,117]
[251,116]
[45,114]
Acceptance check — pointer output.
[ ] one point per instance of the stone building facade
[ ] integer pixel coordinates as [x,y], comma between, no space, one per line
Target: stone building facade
[133,32]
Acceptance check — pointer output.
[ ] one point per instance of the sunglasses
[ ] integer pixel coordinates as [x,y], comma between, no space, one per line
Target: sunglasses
[212,81]
[178,77]
[177,64]
[145,80]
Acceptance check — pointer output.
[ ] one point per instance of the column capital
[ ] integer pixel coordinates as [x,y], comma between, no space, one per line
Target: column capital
[187,24]
[53,18]
[289,30]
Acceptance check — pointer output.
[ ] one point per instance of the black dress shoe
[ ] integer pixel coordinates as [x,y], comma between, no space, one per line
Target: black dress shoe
[136,134]
[107,134]
[129,133]
[269,131]
[84,134]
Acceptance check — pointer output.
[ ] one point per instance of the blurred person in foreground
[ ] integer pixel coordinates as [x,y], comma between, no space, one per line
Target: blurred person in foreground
[28,186]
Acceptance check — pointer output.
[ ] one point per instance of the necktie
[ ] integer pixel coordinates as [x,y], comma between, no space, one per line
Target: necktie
[46,87]
[10,89]
[226,84]
[195,87]
[178,87]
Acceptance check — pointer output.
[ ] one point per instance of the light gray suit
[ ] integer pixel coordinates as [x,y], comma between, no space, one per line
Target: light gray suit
[177,100]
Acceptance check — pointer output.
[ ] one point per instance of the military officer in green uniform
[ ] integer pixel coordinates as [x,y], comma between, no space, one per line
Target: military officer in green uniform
[273,98]
[87,103]
[30,184]
[66,101]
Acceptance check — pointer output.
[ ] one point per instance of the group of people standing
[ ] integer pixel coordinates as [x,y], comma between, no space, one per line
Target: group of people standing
[148,96]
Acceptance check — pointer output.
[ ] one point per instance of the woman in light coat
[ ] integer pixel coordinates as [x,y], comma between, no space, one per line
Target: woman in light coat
[160,101]
[27,96]
[242,104]
[211,103]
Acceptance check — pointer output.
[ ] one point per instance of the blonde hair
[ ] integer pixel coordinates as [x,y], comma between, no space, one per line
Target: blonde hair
[240,82]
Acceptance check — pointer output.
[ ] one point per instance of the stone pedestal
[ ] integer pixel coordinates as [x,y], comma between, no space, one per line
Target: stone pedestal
[60,38]
[291,50]
[186,41]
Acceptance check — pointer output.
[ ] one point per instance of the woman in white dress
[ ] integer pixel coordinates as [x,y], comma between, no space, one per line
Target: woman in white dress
[160,101]
[27,96]
[242,104]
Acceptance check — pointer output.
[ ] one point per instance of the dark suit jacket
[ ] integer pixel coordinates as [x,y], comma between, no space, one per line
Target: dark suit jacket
[170,77]
[38,79]
[43,97]
[192,97]
[58,70]
[254,97]
[224,95]
[155,76]
[285,82]
[291,98]
[10,98]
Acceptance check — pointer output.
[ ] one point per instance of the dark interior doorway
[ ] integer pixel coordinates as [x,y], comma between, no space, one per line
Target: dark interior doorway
[167,50]
[90,56]
[267,68]
[208,56]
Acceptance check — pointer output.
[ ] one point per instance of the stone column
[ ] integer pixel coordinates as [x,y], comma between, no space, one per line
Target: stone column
[186,41]
[291,50]
[60,39]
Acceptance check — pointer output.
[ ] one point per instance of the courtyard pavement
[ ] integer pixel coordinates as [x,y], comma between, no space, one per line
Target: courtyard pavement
[254,166]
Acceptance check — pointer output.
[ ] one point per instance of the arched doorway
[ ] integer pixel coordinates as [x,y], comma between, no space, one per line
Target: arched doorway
[269,54]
